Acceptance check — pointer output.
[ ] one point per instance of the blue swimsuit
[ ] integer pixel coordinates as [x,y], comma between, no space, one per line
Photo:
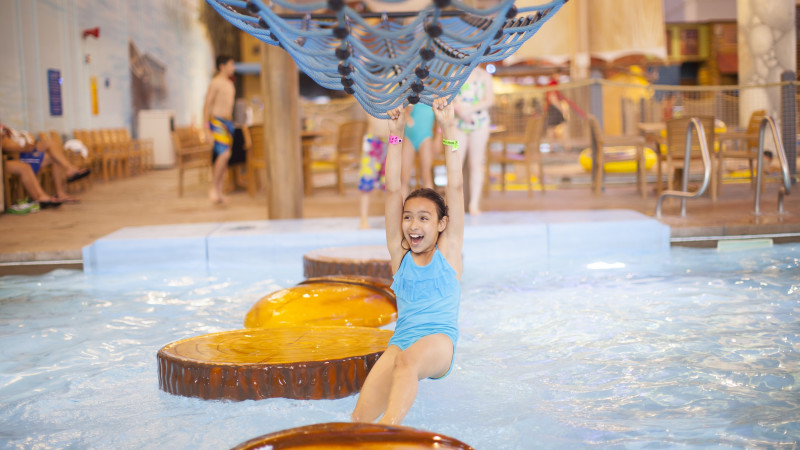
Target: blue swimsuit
[423,125]
[427,301]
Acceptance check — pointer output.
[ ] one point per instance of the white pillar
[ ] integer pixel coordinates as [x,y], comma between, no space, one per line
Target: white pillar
[766,42]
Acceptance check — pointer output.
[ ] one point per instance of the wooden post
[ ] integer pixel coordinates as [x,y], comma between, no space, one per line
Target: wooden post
[280,87]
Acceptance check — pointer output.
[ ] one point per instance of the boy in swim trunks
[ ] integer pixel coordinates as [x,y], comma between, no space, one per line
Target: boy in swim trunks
[424,235]
[218,112]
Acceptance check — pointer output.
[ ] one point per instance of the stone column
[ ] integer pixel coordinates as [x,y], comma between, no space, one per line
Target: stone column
[766,42]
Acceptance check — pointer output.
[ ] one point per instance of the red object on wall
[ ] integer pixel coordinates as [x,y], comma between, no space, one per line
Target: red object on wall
[92,32]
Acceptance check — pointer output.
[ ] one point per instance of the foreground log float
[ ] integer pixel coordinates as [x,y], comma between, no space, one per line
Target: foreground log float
[290,362]
[336,435]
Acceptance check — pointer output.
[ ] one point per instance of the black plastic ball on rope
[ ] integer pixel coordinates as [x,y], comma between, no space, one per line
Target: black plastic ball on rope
[417,87]
[421,72]
[273,37]
[342,53]
[427,54]
[349,90]
[512,12]
[336,5]
[341,32]
[433,30]
[487,51]
[499,34]
[347,82]
[252,7]
[413,99]
[345,69]
[263,23]
[441,4]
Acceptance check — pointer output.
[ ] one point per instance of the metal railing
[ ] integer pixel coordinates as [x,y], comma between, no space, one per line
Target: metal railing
[768,121]
[685,194]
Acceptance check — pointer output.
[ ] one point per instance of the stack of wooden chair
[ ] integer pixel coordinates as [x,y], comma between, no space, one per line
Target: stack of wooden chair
[114,154]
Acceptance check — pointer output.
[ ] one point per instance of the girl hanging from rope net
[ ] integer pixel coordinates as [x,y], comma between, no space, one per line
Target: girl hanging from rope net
[424,234]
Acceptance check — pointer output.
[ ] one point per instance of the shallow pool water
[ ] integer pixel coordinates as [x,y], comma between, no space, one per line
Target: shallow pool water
[695,348]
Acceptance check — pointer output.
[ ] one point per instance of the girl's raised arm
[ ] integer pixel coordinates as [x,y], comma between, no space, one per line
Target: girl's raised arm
[452,238]
[394,189]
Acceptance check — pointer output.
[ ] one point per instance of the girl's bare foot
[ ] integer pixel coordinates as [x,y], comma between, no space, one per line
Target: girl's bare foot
[364,224]
[474,211]
[214,196]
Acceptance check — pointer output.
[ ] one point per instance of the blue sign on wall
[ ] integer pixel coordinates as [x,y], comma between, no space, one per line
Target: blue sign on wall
[54,89]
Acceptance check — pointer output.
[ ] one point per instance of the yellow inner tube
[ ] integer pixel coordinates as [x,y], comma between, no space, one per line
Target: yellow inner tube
[618,159]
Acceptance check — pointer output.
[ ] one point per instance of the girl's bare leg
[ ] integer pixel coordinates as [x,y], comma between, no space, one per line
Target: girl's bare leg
[364,207]
[59,176]
[479,139]
[57,155]
[29,180]
[375,391]
[426,163]
[407,167]
[428,357]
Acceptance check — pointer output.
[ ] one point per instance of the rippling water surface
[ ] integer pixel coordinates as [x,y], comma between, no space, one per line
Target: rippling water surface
[696,349]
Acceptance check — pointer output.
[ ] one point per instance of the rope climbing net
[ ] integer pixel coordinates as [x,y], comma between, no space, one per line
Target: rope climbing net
[387,59]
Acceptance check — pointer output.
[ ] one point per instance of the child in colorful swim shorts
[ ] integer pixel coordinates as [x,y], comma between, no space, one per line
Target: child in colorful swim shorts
[371,171]
[424,235]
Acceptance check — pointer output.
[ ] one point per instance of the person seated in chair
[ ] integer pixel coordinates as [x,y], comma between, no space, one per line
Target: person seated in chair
[30,183]
[38,153]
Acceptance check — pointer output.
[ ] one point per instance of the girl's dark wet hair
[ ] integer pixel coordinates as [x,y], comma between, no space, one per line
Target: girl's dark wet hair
[435,197]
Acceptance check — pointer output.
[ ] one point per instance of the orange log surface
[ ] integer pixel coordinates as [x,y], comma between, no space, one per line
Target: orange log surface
[366,260]
[257,363]
[336,435]
[334,300]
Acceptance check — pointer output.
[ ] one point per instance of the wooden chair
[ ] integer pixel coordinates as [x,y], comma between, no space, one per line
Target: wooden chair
[256,159]
[529,156]
[676,148]
[600,141]
[192,151]
[349,142]
[94,147]
[740,145]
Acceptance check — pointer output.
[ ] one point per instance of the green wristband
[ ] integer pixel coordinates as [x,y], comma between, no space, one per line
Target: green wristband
[452,143]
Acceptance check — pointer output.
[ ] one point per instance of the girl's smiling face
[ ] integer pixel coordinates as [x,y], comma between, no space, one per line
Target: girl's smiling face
[421,224]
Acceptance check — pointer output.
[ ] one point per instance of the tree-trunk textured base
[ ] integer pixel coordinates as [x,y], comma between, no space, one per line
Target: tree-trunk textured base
[291,362]
[335,435]
[344,300]
[366,260]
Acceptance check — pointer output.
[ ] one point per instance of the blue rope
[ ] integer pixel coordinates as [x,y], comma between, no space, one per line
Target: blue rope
[387,64]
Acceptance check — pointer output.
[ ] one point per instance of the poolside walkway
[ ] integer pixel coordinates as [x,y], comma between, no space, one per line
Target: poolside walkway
[56,237]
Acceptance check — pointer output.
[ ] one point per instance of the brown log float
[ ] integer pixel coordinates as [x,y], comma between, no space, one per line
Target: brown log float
[337,435]
[291,362]
[366,260]
[343,300]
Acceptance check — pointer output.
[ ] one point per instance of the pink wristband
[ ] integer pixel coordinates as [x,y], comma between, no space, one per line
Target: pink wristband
[394,139]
